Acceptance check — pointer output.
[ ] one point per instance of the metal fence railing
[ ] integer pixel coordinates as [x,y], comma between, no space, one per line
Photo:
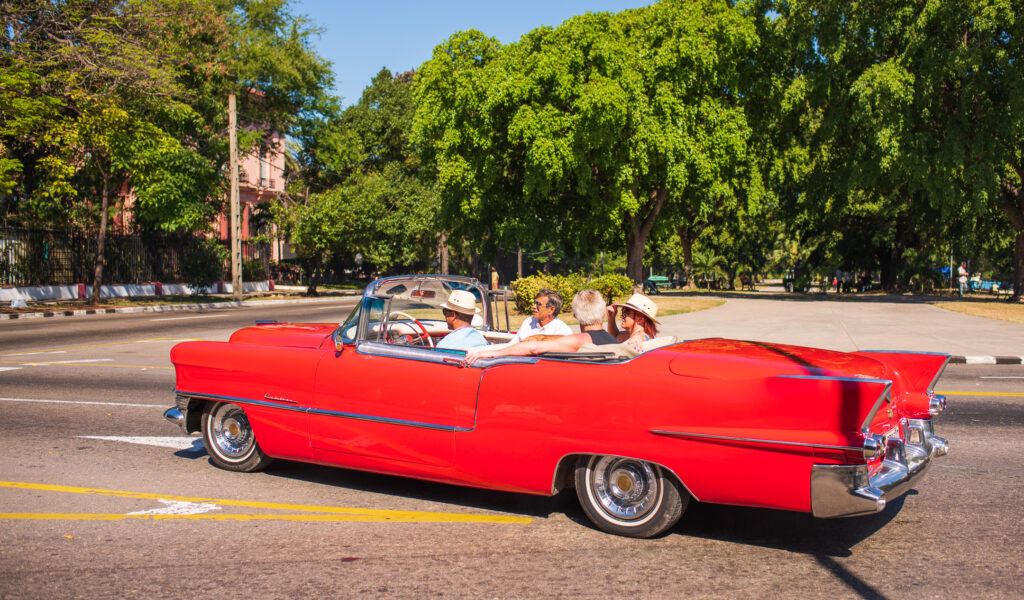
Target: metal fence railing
[50,257]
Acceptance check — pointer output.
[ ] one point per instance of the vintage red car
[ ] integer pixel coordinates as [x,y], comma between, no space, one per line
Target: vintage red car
[716,420]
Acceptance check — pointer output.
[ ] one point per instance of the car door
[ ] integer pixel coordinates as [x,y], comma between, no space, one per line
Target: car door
[391,402]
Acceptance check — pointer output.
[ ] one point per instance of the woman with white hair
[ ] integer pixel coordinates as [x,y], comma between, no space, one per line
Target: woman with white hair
[588,306]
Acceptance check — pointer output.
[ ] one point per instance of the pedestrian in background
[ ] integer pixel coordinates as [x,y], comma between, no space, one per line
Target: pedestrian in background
[962,272]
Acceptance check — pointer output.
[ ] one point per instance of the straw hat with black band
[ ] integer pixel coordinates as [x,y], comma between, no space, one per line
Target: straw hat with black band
[461,302]
[643,305]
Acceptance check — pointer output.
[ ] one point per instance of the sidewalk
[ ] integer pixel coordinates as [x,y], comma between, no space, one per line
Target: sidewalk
[850,325]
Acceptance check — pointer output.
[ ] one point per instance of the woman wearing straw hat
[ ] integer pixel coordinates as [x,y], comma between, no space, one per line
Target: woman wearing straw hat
[638,322]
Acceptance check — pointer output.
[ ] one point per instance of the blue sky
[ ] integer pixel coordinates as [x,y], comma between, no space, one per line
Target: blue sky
[361,37]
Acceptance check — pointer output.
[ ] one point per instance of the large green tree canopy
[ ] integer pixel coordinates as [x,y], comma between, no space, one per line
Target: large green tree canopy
[584,133]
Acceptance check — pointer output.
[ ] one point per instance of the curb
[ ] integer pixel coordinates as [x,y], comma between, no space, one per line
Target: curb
[159,308]
[986,360]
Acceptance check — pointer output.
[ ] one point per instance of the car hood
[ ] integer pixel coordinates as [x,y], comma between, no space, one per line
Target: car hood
[291,335]
[718,358]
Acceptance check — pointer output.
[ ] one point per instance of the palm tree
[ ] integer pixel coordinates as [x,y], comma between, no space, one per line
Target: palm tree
[708,265]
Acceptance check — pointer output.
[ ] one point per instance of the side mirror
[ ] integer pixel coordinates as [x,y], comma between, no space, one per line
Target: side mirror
[339,344]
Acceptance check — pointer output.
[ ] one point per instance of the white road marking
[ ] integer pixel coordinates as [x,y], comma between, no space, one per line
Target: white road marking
[81,402]
[64,362]
[196,317]
[41,352]
[167,340]
[178,442]
[178,507]
[9,368]
[997,377]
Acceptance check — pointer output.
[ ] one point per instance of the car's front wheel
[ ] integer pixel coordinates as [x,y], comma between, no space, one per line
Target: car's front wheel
[229,438]
[629,497]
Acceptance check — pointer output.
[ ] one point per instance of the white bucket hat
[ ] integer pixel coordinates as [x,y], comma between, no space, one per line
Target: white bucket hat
[461,301]
[643,305]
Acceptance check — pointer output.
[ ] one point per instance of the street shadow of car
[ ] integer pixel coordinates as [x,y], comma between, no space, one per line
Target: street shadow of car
[784,530]
[778,529]
[508,502]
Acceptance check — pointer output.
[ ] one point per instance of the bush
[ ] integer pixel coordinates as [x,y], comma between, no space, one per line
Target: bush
[613,286]
[252,270]
[525,289]
[202,263]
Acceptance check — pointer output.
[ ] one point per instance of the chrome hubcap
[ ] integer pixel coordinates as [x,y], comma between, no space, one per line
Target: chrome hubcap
[231,431]
[626,489]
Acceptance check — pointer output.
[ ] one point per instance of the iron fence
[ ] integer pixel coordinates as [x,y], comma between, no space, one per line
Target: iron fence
[51,257]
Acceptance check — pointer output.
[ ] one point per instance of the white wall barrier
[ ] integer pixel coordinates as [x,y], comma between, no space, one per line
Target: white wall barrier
[123,290]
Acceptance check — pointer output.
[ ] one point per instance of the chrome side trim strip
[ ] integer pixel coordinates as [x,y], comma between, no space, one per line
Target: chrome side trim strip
[237,400]
[387,420]
[327,413]
[865,427]
[834,378]
[752,440]
[938,373]
[931,386]
[903,352]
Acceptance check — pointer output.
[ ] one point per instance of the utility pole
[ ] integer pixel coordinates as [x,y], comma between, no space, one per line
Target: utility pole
[236,212]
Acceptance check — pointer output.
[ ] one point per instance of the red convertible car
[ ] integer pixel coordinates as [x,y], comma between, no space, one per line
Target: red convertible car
[638,435]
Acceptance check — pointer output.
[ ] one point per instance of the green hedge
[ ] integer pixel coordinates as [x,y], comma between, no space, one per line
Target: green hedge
[611,287]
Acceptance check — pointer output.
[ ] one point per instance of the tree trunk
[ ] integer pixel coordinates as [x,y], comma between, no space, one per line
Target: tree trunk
[1018,268]
[101,238]
[638,227]
[1013,207]
[442,253]
[687,235]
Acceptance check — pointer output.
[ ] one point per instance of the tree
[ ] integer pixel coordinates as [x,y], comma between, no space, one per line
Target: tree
[368,175]
[902,100]
[584,133]
[131,94]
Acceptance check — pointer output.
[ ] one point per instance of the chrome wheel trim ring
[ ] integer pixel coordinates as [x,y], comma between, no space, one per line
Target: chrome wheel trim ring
[233,439]
[625,490]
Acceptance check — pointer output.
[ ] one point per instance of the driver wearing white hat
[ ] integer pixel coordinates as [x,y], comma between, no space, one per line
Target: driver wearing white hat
[458,314]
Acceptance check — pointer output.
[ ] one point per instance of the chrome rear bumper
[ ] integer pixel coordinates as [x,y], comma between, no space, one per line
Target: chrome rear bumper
[851,490]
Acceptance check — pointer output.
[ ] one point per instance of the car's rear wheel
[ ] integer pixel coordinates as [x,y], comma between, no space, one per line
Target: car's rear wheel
[629,497]
[229,438]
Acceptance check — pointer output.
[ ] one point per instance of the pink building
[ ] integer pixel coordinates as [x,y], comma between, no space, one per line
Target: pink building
[260,179]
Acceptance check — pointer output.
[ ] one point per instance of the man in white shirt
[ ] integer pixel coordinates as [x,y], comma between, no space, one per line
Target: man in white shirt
[544,321]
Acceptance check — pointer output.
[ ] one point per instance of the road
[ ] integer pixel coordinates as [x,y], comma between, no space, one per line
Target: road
[102,498]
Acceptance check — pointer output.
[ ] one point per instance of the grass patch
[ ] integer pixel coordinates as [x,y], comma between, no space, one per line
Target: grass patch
[996,309]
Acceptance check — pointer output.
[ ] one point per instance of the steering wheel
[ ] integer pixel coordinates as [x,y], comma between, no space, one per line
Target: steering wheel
[425,336]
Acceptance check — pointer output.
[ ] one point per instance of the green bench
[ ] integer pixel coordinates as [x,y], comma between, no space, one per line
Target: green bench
[655,283]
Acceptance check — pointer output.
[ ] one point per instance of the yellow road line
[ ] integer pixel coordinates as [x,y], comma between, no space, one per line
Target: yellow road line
[424,517]
[343,513]
[1010,394]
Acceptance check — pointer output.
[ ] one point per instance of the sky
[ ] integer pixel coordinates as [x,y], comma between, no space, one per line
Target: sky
[361,37]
